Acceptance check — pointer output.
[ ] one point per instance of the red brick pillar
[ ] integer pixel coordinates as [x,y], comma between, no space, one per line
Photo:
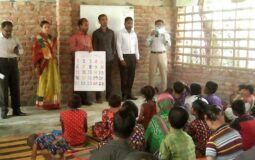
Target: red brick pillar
[64,27]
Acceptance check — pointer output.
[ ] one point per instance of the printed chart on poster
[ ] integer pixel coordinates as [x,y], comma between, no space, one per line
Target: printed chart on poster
[89,73]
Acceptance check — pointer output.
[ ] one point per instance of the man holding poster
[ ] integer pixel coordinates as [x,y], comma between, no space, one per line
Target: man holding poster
[127,47]
[80,41]
[103,40]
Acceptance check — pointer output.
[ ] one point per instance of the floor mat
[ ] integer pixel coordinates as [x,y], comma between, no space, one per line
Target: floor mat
[15,148]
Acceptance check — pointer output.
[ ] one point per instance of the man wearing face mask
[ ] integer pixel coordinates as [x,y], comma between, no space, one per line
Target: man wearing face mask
[158,40]
[10,49]
[128,53]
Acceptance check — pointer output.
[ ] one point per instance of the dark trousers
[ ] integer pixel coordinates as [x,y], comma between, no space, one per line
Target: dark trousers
[109,67]
[9,68]
[127,74]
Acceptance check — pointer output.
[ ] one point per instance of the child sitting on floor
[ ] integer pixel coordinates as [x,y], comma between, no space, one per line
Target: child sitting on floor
[118,148]
[103,130]
[177,145]
[180,92]
[198,129]
[74,122]
[51,146]
[210,89]
[148,108]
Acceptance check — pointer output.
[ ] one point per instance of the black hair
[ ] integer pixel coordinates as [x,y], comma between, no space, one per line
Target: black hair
[195,89]
[128,19]
[6,23]
[101,15]
[130,107]
[178,117]
[241,86]
[148,92]
[179,87]
[211,87]
[74,102]
[31,140]
[250,88]
[123,124]
[159,21]
[81,21]
[199,107]
[43,22]
[212,112]
[238,106]
[140,156]
[114,101]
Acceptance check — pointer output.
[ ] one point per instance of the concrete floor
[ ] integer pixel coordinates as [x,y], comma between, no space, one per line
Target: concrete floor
[46,121]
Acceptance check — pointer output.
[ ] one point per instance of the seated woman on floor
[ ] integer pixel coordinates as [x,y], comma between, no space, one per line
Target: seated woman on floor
[159,126]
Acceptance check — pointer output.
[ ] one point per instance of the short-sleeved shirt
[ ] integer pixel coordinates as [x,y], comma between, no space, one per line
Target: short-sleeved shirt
[224,144]
[177,145]
[214,100]
[74,126]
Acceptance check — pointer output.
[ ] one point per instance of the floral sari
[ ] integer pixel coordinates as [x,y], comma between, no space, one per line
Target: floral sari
[44,59]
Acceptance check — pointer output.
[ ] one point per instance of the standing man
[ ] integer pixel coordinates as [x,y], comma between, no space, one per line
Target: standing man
[80,41]
[159,40]
[128,53]
[103,40]
[10,49]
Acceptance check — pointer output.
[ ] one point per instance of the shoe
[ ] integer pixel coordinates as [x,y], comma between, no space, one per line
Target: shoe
[99,101]
[131,98]
[19,114]
[87,103]
[3,115]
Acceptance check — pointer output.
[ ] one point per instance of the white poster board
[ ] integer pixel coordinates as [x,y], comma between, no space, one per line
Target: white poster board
[116,16]
[90,71]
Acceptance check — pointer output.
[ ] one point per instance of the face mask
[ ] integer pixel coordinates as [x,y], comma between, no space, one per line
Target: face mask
[160,30]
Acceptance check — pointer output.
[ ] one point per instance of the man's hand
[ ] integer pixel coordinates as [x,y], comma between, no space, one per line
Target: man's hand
[123,63]
[16,50]
[38,71]
[153,33]
[137,63]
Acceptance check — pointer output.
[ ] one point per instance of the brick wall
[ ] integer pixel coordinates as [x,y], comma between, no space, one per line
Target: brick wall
[144,23]
[26,17]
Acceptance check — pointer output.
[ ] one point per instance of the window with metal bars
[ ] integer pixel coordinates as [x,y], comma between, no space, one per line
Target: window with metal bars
[216,35]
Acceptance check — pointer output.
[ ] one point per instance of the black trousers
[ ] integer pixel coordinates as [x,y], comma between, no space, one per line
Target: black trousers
[127,74]
[9,68]
[109,67]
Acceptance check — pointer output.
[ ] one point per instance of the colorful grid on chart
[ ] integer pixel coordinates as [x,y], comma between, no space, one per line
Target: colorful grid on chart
[89,71]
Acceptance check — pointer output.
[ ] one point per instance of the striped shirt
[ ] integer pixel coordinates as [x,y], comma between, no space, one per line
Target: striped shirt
[224,144]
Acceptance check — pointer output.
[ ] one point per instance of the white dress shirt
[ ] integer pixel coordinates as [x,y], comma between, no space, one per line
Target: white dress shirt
[127,43]
[7,46]
[159,44]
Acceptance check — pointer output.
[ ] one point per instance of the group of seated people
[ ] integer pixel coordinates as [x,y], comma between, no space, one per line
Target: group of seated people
[179,124]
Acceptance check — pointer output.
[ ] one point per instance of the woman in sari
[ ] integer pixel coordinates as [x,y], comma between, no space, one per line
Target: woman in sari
[45,61]
[159,126]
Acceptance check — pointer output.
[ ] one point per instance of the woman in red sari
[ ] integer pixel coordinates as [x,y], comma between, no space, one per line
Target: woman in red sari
[45,61]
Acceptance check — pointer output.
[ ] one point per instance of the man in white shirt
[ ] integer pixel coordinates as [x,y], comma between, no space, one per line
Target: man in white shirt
[128,53]
[10,49]
[159,40]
